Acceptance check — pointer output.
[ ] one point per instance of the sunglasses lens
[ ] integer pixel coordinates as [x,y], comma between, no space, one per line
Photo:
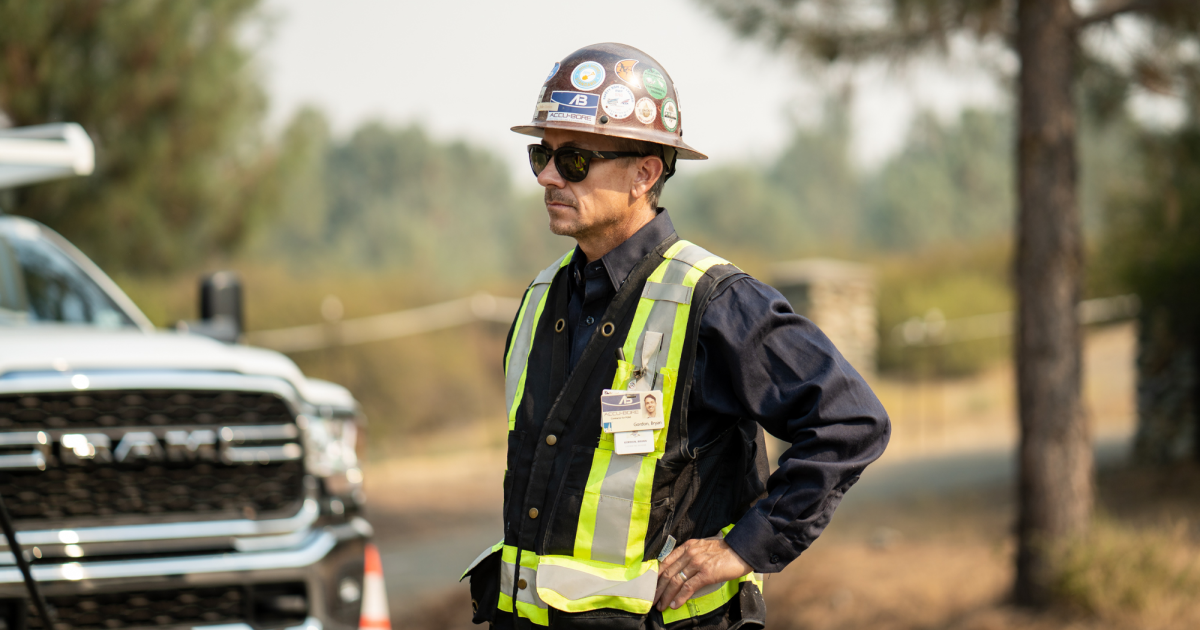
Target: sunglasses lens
[572,165]
[539,157]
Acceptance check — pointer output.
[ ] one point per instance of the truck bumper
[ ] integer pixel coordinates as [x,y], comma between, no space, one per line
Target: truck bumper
[316,584]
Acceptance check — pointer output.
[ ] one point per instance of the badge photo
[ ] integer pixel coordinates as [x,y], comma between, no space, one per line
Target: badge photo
[646,110]
[624,70]
[587,75]
[617,101]
[670,115]
[655,84]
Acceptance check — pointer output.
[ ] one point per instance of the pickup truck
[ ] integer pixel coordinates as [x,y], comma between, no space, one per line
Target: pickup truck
[164,478]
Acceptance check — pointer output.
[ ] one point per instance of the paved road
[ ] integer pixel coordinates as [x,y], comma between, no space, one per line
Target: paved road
[433,561]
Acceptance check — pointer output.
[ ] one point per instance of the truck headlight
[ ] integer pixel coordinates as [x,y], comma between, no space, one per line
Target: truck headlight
[330,452]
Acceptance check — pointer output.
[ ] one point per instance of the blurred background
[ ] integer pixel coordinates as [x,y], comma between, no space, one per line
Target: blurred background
[353,159]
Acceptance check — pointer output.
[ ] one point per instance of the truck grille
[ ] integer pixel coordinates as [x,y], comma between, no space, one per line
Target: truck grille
[32,412]
[270,605]
[152,454]
[240,490]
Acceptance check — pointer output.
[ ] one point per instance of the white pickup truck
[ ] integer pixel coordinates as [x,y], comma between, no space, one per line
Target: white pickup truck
[158,478]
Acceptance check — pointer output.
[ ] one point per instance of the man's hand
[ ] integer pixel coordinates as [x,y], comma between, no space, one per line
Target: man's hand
[694,565]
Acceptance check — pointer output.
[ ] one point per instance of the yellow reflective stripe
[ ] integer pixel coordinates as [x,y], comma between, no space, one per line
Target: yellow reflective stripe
[711,601]
[596,602]
[540,616]
[585,533]
[676,248]
[519,390]
[639,518]
[517,327]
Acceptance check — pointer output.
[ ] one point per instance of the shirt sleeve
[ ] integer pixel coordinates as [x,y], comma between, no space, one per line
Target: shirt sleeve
[757,359]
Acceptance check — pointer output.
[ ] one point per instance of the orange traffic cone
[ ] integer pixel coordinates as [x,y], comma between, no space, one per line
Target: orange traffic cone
[375,614]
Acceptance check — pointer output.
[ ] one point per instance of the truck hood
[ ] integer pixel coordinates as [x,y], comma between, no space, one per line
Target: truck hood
[58,348]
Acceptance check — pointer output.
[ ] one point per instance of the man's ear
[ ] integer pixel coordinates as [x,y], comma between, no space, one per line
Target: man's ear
[650,168]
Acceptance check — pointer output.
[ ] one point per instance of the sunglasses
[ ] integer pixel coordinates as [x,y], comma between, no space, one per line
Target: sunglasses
[572,163]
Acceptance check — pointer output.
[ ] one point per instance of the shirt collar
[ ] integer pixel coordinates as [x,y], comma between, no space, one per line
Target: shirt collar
[624,257]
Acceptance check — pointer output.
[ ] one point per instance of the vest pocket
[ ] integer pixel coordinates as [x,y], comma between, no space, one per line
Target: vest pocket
[575,585]
[485,585]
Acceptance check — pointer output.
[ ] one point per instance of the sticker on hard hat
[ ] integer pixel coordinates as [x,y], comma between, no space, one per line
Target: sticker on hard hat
[624,70]
[553,71]
[576,107]
[645,110]
[617,101]
[655,84]
[587,75]
[670,115]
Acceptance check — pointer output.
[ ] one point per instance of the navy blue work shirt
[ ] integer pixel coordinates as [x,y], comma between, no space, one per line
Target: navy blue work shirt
[756,358]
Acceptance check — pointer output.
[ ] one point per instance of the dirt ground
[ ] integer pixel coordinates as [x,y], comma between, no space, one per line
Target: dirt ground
[929,563]
[934,560]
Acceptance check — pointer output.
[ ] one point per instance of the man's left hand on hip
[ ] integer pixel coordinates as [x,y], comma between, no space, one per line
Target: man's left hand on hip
[694,565]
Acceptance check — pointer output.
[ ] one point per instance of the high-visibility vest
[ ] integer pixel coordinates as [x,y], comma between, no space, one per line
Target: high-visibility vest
[596,548]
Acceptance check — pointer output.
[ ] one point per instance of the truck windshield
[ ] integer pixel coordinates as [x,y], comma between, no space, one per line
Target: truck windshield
[39,283]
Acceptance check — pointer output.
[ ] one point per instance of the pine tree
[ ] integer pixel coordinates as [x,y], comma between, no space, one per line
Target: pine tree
[1055,48]
[168,94]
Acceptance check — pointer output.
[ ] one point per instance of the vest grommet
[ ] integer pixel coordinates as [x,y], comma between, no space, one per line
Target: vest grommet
[607,329]
[560,325]
[474,606]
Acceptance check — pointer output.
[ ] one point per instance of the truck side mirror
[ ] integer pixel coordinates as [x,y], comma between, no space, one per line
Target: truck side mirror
[221,312]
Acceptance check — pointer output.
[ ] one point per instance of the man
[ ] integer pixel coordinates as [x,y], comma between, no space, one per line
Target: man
[651,404]
[611,525]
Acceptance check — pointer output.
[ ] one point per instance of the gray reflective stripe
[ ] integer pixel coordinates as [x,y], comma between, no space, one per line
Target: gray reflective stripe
[692,255]
[474,563]
[708,590]
[522,341]
[614,510]
[662,313]
[574,584]
[673,292]
[528,594]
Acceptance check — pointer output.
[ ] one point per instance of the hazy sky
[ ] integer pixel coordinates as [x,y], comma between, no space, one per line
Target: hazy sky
[472,69]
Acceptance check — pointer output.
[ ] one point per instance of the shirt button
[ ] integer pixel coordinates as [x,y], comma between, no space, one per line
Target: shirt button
[590,320]
[533,512]
[774,556]
[521,584]
[551,440]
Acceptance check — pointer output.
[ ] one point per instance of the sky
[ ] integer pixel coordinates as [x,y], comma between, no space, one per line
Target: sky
[472,69]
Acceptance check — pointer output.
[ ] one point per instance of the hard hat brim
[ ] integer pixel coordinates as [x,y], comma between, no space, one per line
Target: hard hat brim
[684,152]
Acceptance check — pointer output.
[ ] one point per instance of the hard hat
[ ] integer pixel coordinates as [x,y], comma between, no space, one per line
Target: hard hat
[612,90]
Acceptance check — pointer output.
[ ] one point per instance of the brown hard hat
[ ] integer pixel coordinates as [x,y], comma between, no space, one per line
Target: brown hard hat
[612,90]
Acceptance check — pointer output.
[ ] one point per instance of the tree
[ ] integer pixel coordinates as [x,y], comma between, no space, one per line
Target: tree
[1051,43]
[167,92]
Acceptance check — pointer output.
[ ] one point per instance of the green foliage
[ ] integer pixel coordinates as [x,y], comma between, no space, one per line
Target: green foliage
[1153,238]
[949,282]
[390,198]
[950,183]
[167,92]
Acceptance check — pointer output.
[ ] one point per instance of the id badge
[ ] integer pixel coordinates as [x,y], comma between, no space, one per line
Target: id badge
[622,410]
[633,442]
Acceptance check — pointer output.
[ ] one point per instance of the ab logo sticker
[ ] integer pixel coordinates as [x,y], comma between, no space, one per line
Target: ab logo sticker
[575,107]
[624,70]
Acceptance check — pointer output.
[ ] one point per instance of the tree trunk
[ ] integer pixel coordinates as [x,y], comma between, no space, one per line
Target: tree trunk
[1055,485]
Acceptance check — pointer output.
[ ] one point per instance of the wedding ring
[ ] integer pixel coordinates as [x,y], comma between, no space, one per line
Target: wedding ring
[683,576]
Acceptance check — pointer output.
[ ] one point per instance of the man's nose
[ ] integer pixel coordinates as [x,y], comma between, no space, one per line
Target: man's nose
[550,177]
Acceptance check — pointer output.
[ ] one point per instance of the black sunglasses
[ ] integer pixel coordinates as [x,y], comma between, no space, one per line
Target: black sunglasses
[572,162]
